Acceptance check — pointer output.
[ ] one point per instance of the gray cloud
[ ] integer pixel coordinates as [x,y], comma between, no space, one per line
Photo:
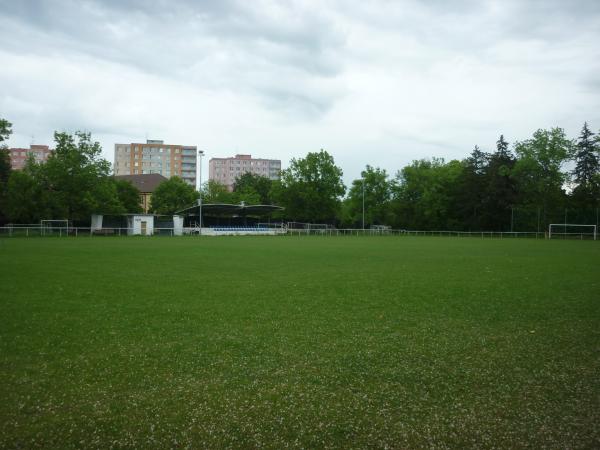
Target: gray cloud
[213,43]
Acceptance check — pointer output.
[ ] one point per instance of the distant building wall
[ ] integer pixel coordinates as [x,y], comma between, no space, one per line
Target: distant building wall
[226,170]
[146,184]
[18,156]
[155,156]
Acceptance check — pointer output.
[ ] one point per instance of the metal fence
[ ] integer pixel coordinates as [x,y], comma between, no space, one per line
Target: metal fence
[369,232]
[37,231]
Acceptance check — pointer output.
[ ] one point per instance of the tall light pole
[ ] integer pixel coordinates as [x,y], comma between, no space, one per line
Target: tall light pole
[363,203]
[200,155]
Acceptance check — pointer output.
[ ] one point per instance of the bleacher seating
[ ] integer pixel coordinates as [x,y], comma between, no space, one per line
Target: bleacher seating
[241,229]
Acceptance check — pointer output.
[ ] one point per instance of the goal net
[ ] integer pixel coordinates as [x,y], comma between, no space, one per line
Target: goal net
[58,227]
[308,226]
[571,231]
[271,225]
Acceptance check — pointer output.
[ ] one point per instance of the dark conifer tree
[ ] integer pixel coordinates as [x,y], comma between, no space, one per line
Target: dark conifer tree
[502,150]
[472,190]
[587,166]
[500,190]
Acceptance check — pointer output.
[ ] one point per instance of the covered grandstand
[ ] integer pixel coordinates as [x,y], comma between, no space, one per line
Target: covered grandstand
[225,218]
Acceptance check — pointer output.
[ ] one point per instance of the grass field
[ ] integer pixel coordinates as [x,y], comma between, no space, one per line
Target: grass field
[303,342]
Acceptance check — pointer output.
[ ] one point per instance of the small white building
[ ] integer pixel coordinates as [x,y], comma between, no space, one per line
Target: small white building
[177,225]
[140,224]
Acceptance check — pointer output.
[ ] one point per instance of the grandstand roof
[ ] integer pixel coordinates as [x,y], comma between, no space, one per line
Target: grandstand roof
[227,209]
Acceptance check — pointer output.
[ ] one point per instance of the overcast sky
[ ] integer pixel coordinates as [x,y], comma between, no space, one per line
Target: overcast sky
[372,82]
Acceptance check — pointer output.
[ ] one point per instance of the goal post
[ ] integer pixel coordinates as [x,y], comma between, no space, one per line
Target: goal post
[308,226]
[572,230]
[51,227]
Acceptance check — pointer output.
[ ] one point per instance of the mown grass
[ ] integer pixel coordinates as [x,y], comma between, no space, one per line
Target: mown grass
[303,342]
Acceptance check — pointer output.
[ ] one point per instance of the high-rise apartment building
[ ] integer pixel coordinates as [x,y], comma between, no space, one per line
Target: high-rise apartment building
[226,170]
[18,156]
[157,157]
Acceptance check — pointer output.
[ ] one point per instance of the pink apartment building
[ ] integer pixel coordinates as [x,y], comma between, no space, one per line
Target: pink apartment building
[226,170]
[18,156]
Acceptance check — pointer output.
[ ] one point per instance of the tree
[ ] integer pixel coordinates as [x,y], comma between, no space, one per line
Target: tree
[424,195]
[587,166]
[471,190]
[499,189]
[249,184]
[502,150]
[173,195]
[311,188]
[26,201]
[129,196]
[248,196]
[215,192]
[585,198]
[78,179]
[5,166]
[538,173]
[377,196]
[5,129]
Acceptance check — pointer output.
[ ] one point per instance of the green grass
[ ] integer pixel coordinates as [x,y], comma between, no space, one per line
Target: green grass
[303,342]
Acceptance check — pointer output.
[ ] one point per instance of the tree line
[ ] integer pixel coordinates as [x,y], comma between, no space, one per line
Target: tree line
[73,183]
[521,187]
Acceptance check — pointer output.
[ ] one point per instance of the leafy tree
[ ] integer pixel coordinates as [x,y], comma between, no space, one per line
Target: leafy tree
[215,192]
[311,188]
[538,171]
[5,167]
[247,196]
[77,179]
[424,195]
[5,129]
[173,195]
[26,201]
[377,196]
[129,196]
[249,184]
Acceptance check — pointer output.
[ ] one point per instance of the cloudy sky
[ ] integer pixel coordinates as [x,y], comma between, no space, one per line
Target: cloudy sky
[372,82]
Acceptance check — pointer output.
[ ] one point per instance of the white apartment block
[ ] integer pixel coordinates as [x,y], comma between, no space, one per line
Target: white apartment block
[226,170]
[157,157]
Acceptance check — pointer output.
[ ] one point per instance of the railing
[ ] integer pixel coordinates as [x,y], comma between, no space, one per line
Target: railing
[29,230]
[389,232]
[37,231]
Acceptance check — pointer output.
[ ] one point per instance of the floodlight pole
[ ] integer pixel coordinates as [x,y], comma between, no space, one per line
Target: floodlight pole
[200,155]
[363,203]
